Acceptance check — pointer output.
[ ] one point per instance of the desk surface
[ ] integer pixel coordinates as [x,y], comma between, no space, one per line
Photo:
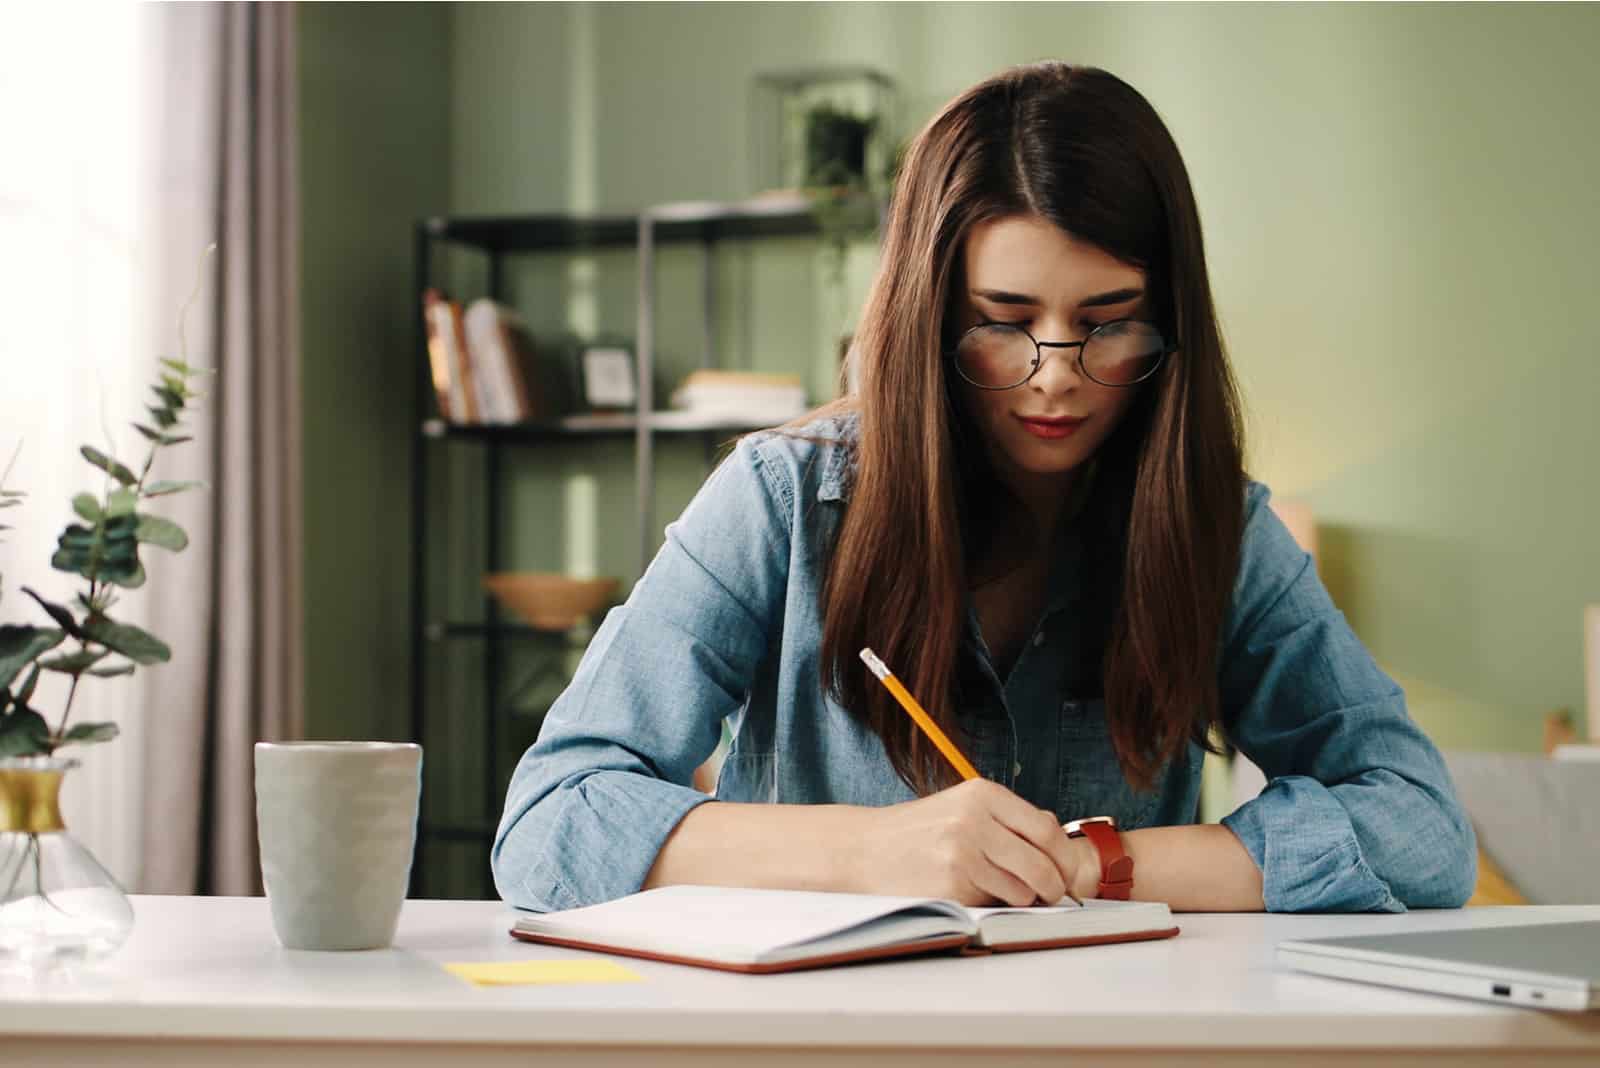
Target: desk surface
[210,969]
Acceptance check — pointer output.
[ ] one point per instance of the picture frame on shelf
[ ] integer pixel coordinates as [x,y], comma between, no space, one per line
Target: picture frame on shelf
[606,376]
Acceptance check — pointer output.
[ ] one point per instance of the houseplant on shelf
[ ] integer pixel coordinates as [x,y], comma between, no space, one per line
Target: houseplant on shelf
[836,178]
[58,905]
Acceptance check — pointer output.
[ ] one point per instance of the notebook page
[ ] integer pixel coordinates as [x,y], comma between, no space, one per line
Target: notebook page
[741,925]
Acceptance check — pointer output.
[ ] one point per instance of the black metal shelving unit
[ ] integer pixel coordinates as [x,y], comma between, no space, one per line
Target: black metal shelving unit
[499,237]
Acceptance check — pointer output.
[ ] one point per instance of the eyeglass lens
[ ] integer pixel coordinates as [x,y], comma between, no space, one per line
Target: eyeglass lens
[998,355]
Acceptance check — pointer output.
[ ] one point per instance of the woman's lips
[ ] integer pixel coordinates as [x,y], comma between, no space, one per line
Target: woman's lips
[1059,427]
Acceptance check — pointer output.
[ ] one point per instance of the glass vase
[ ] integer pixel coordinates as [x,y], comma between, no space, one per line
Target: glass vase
[58,906]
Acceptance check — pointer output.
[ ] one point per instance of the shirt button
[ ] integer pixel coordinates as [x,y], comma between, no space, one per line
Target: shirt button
[1016,769]
[1038,639]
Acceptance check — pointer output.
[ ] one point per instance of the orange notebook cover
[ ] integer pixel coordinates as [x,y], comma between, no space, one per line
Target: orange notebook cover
[765,931]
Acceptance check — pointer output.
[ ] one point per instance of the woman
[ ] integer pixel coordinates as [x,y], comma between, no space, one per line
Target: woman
[1033,509]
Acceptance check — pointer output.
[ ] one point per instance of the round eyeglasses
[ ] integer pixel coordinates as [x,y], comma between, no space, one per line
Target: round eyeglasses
[1123,352]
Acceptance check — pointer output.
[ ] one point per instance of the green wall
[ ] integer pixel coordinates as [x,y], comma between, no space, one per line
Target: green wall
[374,99]
[1398,207]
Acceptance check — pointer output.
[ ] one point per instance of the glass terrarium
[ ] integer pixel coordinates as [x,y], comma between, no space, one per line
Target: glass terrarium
[823,128]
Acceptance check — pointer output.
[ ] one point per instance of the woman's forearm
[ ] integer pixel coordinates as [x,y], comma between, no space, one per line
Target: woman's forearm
[1203,868]
[787,847]
[819,847]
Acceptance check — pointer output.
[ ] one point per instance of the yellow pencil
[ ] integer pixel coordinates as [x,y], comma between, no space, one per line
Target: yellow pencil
[921,718]
[918,715]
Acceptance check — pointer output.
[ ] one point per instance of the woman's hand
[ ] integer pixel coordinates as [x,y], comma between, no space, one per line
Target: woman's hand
[977,843]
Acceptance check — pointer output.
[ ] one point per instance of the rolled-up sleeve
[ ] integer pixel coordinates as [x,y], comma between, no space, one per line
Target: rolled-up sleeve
[595,797]
[1358,813]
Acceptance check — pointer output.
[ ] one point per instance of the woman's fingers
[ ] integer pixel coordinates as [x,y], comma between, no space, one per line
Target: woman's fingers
[1026,862]
[997,884]
[1043,832]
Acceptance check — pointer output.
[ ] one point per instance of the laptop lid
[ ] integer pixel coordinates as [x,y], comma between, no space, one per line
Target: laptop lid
[1551,965]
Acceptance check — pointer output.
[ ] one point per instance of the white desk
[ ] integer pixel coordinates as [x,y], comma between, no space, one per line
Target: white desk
[203,981]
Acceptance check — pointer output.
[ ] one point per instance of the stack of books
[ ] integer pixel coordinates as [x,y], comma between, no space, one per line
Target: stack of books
[745,397]
[481,360]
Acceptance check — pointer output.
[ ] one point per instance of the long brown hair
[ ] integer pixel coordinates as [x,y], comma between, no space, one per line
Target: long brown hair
[1084,150]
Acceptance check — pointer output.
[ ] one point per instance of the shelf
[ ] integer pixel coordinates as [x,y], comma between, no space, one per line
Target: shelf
[499,644]
[693,221]
[592,425]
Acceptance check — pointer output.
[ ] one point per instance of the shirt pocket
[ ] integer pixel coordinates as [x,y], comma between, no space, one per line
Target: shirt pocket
[1092,783]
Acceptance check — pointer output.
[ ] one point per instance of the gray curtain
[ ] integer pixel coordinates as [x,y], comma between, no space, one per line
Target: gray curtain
[226,86]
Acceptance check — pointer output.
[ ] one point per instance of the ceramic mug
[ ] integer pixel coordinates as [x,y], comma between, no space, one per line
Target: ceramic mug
[337,824]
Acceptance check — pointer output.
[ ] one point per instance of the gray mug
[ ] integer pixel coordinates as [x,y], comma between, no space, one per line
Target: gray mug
[337,824]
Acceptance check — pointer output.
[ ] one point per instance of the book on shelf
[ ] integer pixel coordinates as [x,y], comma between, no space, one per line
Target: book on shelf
[501,349]
[759,931]
[447,358]
[748,396]
[482,361]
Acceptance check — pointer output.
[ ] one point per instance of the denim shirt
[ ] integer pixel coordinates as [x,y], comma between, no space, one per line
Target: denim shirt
[1358,814]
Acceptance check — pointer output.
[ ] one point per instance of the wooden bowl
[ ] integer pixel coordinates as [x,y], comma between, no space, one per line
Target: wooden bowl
[550,601]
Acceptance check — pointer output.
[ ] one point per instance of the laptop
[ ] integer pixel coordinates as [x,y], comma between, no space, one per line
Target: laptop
[1545,966]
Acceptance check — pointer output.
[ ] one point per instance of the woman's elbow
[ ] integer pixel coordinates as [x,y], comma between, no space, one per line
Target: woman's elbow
[1440,869]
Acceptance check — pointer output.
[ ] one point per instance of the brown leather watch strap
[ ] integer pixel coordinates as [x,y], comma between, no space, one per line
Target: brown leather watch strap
[1116,867]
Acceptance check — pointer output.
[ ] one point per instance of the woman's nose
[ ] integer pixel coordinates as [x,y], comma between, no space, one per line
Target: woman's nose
[1058,370]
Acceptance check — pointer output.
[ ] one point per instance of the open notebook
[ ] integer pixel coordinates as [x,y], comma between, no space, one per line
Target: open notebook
[746,930]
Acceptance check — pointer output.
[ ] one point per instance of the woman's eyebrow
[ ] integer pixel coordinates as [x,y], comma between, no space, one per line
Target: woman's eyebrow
[1115,296]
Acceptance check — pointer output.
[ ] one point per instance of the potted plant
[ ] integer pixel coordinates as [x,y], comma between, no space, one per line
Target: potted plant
[58,905]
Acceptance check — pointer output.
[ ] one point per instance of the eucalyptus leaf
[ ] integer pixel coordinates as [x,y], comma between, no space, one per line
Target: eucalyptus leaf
[13,495]
[176,439]
[177,366]
[128,576]
[87,507]
[87,733]
[121,502]
[24,733]
[73,562]
[163,416]
[75,663]
[112,671]
[77,537]
[82,549]
[150,435]
[11,502]
[154,530]
[108,465]
[21,645]
[137,645]
[171,395]
[121,526]
[56,612]
[25,694]
[161,489]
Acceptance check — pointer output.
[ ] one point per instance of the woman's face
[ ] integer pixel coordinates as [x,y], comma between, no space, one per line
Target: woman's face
[1022,269]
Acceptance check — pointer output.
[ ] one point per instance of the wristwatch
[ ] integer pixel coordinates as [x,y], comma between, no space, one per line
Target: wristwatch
[1116,867]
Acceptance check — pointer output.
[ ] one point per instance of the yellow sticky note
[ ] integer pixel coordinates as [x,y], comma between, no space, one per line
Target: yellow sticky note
[527,972]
